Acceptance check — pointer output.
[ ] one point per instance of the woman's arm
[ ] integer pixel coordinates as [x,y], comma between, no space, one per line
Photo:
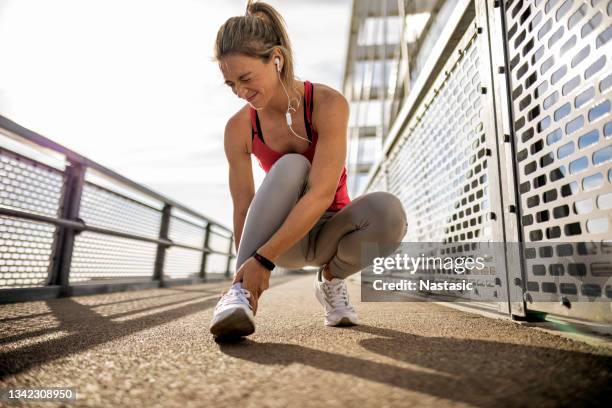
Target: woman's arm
[327,164]
[242,186]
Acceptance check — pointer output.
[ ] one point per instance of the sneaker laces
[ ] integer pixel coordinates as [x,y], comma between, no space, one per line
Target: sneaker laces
[236,295]
[337,295]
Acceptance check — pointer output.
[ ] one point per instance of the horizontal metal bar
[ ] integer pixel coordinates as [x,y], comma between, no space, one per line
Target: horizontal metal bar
[13,295]
[124,197]
[80,226]
[77,158]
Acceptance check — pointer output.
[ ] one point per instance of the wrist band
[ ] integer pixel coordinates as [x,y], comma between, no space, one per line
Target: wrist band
[268,264]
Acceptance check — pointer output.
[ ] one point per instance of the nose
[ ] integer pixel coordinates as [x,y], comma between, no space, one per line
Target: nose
[241,92]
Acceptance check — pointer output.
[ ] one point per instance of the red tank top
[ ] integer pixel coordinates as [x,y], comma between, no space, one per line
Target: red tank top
[267,157]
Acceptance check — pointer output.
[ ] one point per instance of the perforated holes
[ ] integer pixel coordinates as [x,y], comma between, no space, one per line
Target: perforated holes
[563,111]
[530,80]
[565,250]
[592,182]
[550,4]
[555,37]
[572,229]
[553,137]
[539,270]
[595,67]
[546,65]
[535,235]
[537,146]
[539,181]
[519,39]
[567,4]
[549,287]
[608,129]
[583,206]
[522,70]
[550,100]
[599,110]
[569,189]
[577,16]
[558,74]
[581,55]
[578,165]
[527,135]
[556,269]
[540,89]
[570,85]
[575,269]
[568,288]
[591,25]
[525,102]
[597,225]
[561,211]
[547,159]
[602,155]
[588,139]
[525,15]
[545,29]
[574,125]
[533,201]
[604,201]
[605,83]
[567,45]
[528,47]
[550,195]
[557,174]
[517,8]
[603,37]
[544,124]
[518,91]
[536,55]
[584,97]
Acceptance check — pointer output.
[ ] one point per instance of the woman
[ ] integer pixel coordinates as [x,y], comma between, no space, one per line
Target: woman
[302,214]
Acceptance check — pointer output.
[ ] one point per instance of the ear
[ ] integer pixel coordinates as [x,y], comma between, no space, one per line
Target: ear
[277,54]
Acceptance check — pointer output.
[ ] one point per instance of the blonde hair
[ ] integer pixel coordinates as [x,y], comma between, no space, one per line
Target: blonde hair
[257,34]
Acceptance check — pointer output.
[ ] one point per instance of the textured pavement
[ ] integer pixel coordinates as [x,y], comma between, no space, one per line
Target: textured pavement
[152,348]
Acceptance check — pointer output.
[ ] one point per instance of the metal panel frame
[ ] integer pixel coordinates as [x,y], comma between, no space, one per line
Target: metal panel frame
[68,225]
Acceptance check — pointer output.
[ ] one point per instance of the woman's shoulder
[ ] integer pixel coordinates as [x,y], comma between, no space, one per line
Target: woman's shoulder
[238,128]
[325,93]
[326,97]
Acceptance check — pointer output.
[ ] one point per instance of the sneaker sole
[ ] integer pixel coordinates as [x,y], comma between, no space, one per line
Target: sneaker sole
[237,324]
[344,322]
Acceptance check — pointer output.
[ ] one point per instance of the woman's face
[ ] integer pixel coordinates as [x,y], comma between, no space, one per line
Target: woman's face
[250,78]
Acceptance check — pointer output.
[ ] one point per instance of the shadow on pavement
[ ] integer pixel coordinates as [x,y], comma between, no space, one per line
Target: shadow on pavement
[87,328]
[478,372]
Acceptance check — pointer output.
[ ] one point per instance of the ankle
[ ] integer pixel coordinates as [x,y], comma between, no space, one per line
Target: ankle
[327,273]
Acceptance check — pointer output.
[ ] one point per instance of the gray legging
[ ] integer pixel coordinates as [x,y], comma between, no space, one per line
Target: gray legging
[336,238]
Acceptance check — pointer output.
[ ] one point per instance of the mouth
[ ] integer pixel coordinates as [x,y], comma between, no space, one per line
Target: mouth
[250,98]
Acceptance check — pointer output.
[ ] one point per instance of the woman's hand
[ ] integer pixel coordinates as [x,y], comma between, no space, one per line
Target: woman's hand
[255,278]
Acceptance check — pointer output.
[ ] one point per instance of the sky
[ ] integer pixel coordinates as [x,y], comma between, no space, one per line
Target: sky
[131,84]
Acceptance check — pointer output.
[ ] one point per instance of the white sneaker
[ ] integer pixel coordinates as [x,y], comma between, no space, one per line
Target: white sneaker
[233,315]
[334,297]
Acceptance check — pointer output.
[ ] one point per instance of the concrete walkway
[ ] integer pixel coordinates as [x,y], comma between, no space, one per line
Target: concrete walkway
[152,348]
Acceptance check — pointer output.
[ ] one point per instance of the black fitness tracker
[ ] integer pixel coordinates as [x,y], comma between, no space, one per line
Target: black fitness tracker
[268,264]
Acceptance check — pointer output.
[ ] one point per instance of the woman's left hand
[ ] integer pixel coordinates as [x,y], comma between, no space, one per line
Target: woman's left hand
[255,278]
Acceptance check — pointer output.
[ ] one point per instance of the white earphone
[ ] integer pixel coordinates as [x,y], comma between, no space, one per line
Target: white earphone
[289,107]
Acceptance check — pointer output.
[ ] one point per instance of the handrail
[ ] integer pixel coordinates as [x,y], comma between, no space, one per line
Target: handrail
[74,157]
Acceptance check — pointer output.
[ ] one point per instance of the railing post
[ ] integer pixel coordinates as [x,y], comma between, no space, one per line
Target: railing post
[205,253]
[63,244]
[160,257]
[229,256]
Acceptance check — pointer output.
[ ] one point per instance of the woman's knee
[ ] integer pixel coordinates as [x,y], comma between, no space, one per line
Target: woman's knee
[390,214]
[291,167]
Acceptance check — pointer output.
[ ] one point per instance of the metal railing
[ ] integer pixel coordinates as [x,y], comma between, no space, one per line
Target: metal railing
[506,136]
[64,232]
